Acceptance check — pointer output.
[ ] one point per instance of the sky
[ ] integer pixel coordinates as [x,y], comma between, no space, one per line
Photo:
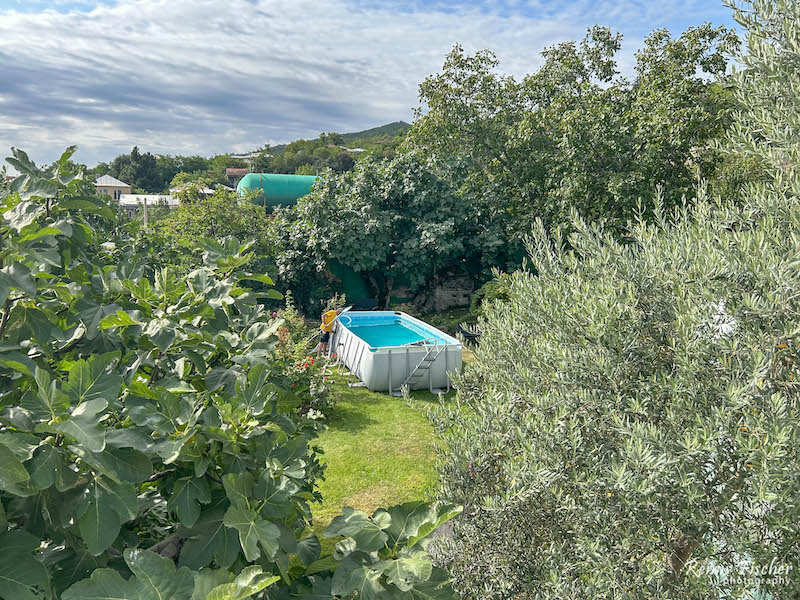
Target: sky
[212,76]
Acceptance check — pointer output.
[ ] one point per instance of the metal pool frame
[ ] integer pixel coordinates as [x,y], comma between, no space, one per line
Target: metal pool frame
[425,365]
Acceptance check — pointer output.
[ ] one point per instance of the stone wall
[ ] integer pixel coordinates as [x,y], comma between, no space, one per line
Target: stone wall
[453,293]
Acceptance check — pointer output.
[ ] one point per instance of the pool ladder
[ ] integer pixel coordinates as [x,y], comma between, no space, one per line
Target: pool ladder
[434,350]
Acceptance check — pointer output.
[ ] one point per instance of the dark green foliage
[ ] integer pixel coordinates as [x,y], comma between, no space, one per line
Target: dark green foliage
[497,289]
[138,170]
[396,222]
[572,134]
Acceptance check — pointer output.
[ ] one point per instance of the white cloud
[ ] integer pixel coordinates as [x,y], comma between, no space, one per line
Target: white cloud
[204,76]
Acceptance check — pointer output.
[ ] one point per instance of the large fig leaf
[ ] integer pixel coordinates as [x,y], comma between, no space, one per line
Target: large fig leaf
[48,467]
[16,275]
[252,532]
[109,505]
[119,319]
[118,464]
[239,488]
[186,497]
[250,581]
[54,400]
[254,395]
[154,578]
[356,575]
[208,579]
[309,549]
[440,514]
[22,576]
[210,540]
[91,314]
[23,214]
[12,471]
[366,531]
[409,569]
[162,333]
[85,425]
[272,497]
[91,380]
[30,323]
[412,522]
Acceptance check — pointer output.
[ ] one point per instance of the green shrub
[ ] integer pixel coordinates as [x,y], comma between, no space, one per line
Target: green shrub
[306,376]
[489,292]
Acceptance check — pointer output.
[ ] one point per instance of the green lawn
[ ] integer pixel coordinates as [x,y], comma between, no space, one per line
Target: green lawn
[379,452]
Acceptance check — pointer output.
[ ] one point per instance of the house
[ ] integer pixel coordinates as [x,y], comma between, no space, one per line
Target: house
[111,186]
[234,174]
[203,191]
[249,155]
[133,203]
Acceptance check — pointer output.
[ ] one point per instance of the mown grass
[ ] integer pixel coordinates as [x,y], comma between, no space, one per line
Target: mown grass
[379,451]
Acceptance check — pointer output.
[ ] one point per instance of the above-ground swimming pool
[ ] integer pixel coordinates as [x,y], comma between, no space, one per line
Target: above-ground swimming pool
[387,350]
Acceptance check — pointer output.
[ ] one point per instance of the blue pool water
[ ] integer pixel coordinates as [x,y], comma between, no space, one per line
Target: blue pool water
[386,331]
[386,335]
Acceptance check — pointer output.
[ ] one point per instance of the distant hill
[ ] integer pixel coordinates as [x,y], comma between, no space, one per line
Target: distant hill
[390,130]
[366,138]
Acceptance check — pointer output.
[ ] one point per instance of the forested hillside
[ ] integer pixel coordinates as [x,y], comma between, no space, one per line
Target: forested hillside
[150,173]
[390,130]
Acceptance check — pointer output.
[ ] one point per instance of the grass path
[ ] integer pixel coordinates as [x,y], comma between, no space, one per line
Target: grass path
[379,452]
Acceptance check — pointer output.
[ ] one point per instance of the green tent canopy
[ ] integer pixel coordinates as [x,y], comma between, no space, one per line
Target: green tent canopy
[276,189]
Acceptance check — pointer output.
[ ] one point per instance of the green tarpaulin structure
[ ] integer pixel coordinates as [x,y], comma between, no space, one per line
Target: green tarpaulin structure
[276,189]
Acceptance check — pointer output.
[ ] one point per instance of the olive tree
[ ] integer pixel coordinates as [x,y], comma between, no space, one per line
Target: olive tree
[630,427]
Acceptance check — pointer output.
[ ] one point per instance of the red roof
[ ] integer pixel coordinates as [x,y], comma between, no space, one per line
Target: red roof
[236,172]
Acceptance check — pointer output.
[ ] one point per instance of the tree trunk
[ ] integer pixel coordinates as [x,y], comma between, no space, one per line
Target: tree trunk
[388,292]
[680,556]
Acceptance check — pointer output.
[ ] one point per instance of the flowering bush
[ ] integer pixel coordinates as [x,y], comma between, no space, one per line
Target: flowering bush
[305,375]
[309,380]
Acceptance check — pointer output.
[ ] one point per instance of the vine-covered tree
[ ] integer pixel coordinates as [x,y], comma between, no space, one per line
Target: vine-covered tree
[393,221]
[630,427]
